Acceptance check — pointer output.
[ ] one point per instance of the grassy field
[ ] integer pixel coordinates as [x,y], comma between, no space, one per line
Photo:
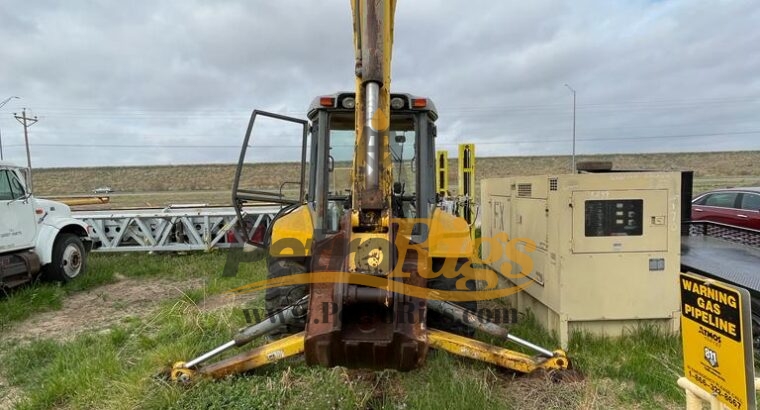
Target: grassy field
[100,341]
[717,168]
[114,365]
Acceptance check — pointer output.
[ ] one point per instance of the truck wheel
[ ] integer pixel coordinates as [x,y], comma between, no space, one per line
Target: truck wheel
[436,320]
[69,258]
[284,296]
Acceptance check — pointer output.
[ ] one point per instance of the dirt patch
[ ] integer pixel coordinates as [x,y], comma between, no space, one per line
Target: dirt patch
[100,308]
[9,395]
[546,393]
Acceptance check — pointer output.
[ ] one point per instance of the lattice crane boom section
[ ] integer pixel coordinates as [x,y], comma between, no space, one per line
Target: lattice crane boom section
[170,229]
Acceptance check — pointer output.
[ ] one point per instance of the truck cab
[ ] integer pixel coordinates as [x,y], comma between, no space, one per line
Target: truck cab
[37,236]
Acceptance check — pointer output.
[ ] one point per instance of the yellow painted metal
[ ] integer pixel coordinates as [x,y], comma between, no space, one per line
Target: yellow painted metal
[373,251]
[81,200]
[466,170]
[296,227]
[365,45]
[260,356]
[495,355]
[449,236]
[294,345]
[716,334]
[466,179]
[442,172]
[180,373]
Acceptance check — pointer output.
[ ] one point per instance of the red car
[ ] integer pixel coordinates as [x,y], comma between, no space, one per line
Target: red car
[734,206]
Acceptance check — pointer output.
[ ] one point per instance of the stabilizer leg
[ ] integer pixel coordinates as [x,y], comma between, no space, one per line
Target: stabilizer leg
[185,371]
[260,356]
[499,356]
[474,349]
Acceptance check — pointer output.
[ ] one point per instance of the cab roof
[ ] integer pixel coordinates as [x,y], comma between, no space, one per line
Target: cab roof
[341,95]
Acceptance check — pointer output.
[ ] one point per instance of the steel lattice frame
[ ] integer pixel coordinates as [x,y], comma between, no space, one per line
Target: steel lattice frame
[169,229]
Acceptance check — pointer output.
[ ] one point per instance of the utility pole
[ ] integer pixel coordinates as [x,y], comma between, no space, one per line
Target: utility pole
[5,101]
[27,122]
[573,91]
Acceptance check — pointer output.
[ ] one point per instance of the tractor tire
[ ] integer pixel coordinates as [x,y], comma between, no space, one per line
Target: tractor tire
[284,296]
[437,321]
[69,259]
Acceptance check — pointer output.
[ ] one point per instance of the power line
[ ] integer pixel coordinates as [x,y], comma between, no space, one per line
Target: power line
[97,112]
[502,142]
[142,146]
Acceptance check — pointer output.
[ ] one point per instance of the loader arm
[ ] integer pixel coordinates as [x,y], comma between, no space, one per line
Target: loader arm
[372,181]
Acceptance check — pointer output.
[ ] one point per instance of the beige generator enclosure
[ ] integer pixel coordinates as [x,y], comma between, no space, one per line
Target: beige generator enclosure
[607,248]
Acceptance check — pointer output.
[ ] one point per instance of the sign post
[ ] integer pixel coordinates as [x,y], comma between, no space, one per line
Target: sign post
[717,340]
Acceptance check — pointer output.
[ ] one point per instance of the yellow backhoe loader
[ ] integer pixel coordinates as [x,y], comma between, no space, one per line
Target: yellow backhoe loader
[371,274]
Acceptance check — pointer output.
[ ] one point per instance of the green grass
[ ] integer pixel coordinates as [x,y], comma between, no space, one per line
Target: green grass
[117,368]
[33,299]
[124,361]
[107,268]
[644,360]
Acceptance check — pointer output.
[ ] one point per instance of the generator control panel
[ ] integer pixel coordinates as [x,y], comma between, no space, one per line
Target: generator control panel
[614,217]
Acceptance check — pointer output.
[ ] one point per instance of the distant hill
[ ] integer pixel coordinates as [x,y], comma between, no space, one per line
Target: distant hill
[62,181]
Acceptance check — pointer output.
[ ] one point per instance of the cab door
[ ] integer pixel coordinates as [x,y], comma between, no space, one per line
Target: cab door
[273,148]
[18,227]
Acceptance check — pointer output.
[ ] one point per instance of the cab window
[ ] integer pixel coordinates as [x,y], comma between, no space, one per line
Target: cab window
[722,199]
[751,202]
[402,145]
[6,193]
[402,138]
[17,189]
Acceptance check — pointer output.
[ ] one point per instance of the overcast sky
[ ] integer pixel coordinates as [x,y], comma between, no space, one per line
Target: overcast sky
[173,82]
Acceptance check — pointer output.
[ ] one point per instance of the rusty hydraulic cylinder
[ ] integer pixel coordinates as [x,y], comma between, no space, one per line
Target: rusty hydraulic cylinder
[472,319]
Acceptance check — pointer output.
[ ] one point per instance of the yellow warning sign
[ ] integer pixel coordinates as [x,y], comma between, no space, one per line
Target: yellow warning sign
[717,340]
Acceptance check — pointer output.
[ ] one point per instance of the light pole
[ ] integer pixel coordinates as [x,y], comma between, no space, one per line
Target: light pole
[573,91]
[5,101]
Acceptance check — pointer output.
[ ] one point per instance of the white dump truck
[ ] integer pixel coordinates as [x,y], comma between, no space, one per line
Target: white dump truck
[37,236]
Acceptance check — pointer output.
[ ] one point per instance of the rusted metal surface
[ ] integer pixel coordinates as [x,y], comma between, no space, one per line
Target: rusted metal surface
[372,199]
[372,38]
[17,269]
[359,327]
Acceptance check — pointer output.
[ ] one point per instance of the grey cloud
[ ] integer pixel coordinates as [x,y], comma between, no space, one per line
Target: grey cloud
[650,76]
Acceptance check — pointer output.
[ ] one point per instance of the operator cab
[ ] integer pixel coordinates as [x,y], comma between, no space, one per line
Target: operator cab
[327,141]
[411,146]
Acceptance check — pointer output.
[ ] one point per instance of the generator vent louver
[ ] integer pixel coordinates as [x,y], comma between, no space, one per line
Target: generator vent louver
[524,190]
[552,184]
